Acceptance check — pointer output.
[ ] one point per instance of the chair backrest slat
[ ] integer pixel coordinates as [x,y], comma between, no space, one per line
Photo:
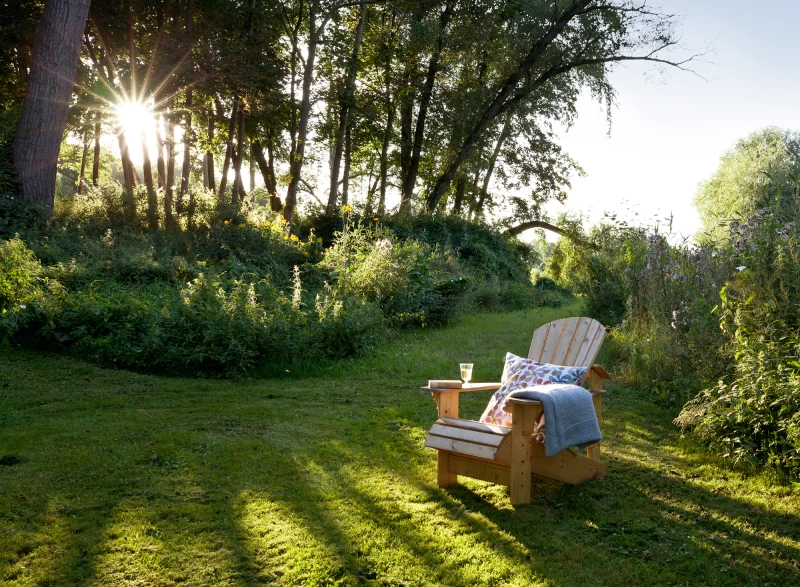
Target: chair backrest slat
[569,341]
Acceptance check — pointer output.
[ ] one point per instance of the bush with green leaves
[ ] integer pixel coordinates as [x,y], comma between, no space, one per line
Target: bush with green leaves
[753,413]
[656,297]
[412,282]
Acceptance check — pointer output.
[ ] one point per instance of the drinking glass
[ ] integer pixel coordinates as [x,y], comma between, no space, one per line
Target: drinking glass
[466,371]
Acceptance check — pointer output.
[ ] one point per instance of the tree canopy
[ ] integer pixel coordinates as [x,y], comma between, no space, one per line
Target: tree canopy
[445,105]
[770,156]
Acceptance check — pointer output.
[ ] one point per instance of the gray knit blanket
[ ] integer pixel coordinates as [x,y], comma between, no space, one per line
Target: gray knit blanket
[569,414]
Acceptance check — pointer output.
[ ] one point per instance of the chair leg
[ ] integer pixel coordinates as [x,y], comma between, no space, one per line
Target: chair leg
[522,421]
[593,452]
[444,477]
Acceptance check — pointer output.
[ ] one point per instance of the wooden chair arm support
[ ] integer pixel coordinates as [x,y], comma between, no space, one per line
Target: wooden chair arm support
[447,399]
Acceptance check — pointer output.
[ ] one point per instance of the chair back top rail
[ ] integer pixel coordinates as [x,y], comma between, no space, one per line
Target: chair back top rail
[569,341]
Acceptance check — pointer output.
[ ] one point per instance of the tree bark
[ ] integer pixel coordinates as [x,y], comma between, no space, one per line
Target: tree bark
[237,164]
[226,165]
[296,163]
[84,157]
[502,99]
[162,172]
[152,200]
[504,134]
[96,158]
[187,145]
[56,48]
[520,228]
[422,114]
[211,183]
[348,150]
[169,181]
[344,114]
[461,187]
[187,129]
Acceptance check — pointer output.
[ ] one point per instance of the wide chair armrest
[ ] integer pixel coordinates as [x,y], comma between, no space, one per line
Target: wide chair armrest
[447,399]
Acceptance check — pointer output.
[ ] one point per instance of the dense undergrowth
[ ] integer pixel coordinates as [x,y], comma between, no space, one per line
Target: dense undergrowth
[712,329]
[230,293]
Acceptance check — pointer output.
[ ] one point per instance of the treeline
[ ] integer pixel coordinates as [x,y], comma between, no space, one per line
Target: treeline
[446,104]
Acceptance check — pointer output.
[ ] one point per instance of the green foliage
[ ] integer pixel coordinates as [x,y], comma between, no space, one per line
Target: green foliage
[657,298]
[767,156]
[753,413]
[229,294]
[413,283]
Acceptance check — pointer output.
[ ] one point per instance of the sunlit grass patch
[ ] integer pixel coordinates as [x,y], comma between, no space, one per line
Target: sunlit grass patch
[321,479]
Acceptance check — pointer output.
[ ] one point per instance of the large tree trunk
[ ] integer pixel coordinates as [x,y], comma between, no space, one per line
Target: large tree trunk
[504,98]
[56,48]
[424,103]
[344,114]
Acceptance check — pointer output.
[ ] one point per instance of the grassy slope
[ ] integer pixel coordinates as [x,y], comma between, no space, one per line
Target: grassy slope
[137,480]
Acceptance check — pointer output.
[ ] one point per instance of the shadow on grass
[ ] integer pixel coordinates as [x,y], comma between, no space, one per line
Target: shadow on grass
[134,480]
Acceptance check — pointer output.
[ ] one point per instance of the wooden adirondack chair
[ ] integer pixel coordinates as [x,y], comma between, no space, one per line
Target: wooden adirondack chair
[509,455]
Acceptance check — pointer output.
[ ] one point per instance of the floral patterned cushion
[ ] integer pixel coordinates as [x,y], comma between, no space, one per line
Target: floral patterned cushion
[520,373]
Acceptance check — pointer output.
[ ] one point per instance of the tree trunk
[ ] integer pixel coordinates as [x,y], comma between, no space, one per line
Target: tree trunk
[406,120]
[296,163]
[503,99]
[344,114]
[226,165]
[162,172]
[56,48]
[169,181]
[187,144]
[252,183]
[348,149]
[152,201]
[238,190]
[187,129]
[504,134]
[267,171]
[84,157]
[424,103]
[209,158]
[461,187]
[96,158]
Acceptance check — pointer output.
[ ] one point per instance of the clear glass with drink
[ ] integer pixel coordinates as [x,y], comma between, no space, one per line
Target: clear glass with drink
[466,371]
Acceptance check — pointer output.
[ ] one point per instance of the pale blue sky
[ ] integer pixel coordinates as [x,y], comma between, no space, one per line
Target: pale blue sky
[667,134]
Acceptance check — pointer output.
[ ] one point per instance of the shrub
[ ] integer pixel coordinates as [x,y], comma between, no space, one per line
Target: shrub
[753,414]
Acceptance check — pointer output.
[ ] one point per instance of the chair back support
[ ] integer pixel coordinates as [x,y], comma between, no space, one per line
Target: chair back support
[574,342]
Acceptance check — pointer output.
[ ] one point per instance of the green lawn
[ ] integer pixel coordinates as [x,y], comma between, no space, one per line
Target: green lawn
[115,478]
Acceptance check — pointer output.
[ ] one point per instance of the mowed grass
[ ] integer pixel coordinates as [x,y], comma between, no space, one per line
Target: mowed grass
[115,478]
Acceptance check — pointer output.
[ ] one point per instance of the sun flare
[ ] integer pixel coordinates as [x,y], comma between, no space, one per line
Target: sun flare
[135,117]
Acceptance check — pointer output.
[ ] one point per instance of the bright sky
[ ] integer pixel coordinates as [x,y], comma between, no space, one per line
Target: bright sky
[667,134]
